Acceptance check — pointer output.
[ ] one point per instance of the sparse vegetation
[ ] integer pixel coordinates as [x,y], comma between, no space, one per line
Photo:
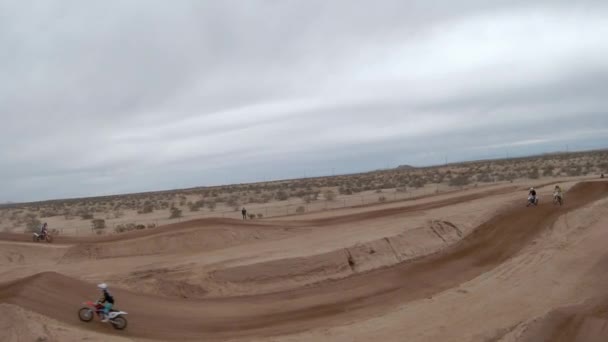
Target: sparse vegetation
[370,185]
[329,195]
[175,213]
[97,224]
[32,224]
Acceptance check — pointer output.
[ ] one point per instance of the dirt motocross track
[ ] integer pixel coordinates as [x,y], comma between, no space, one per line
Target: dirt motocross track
[324,304]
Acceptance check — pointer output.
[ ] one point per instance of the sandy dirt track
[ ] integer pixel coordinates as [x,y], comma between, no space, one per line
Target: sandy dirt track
[330,303]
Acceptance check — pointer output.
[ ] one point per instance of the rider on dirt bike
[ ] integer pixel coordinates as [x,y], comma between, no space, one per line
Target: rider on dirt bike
[532,194]
[107,300]
[44,230]
[558,191]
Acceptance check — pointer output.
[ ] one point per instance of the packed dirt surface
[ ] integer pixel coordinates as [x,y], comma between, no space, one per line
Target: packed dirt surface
[472,266]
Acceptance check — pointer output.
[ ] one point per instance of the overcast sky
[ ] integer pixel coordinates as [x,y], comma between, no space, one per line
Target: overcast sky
[103,97]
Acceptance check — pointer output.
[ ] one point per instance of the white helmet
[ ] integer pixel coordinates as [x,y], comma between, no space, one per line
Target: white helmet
[103,286]
[531,189]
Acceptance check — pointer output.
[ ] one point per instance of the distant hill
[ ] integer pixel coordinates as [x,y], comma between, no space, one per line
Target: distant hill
[405,167]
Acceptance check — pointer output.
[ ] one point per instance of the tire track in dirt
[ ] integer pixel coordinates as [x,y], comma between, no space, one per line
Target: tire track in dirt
[325,304]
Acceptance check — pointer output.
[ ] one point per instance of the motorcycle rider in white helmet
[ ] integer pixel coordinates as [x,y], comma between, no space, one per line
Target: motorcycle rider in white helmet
[532,194]
[107,300]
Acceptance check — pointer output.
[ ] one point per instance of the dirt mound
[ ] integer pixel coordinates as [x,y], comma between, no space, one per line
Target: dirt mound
[401,209]
[586,322]
[281,274]
[174,227]
[177,240]
[328,303]
[290,273]
[23,253]
[19,325]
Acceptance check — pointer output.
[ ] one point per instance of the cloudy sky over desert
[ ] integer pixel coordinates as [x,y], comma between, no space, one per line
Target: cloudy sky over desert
[103,97]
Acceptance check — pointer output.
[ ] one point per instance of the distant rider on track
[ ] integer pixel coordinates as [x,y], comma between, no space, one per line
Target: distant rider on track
[44,230]
[558,191]
[532,195]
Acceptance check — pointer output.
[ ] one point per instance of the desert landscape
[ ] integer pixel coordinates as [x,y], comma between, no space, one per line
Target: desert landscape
[445,253]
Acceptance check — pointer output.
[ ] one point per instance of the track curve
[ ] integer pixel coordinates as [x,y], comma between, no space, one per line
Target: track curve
[324,304]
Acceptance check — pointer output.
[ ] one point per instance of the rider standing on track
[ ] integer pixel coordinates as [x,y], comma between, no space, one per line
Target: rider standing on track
[107,300]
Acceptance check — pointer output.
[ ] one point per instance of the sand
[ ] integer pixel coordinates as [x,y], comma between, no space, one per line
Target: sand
[476,265]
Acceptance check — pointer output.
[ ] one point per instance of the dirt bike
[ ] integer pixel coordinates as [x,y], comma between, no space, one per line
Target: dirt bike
[42,237]
[116,317]
[558,199]
[532,200]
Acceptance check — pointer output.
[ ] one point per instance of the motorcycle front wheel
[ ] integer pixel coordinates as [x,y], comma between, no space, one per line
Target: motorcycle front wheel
[119,323]
[49,238]
[85,314]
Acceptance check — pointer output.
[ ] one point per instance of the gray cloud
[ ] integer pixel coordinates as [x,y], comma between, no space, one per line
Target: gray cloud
[120,96]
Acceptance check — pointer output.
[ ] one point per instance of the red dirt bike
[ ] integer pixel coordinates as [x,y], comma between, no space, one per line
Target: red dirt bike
[42,237]
[116,317]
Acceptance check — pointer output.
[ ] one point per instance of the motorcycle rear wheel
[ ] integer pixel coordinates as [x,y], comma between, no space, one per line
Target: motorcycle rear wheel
[119,323]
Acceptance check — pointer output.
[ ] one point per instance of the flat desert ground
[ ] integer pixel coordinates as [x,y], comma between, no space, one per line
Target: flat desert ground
[470,265]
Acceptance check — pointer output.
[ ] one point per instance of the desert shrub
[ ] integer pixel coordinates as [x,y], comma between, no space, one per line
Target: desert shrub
[266,198]
[232,202]
[345,191]
[86,215]
[32,224]
[147,208]
[260,215]
[49,213]
[574,171]
[211,205]
[533,174]
[182,200]
[151,225]
[97,224]
[121,228]
[329,195]
[548,170]
[484,177]
[381,199]
[281,195]
[378,191]
[251,216]
[196,205]
[140,226]
[175,213]
[300,210]
[417,183]
[460,180]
